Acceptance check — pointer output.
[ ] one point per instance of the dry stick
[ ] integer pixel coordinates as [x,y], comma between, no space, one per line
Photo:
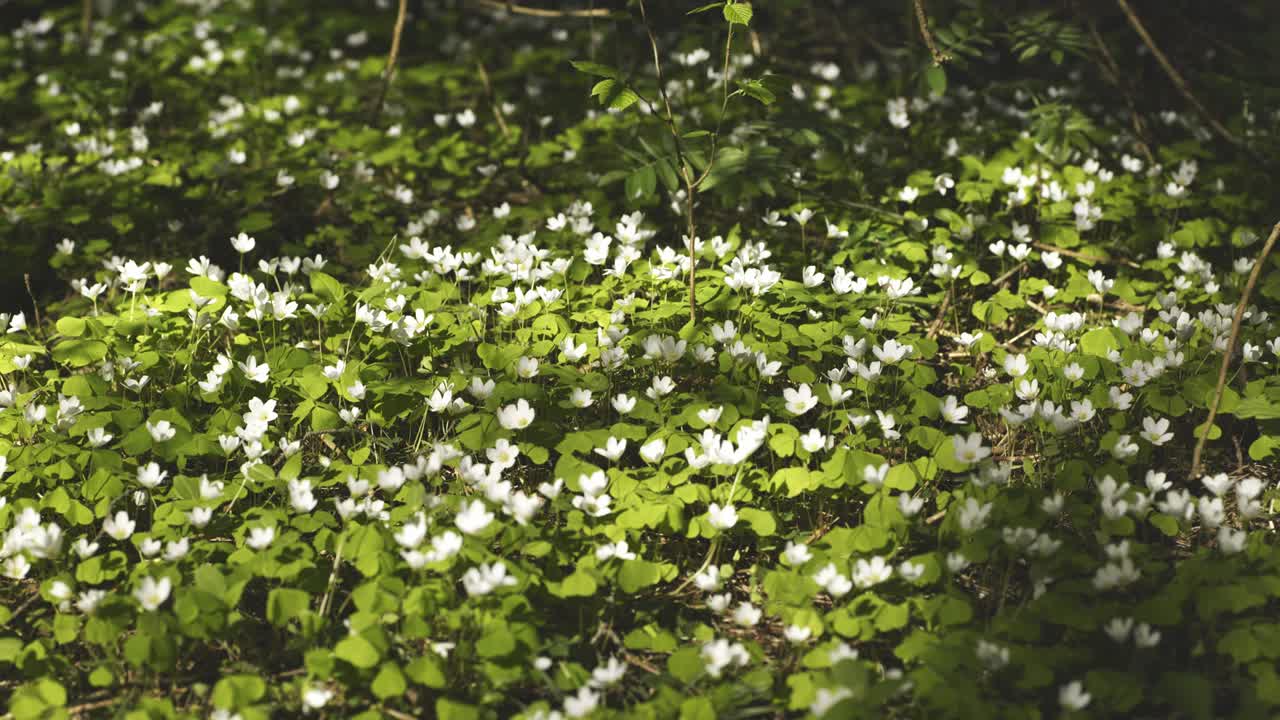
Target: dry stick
[684,167]
[333,578]
[1010,273]
[939,57]
[26,279]
[942,314]
[1084,256]
[1174,75]
[539,12]
[493,101]
[1231,344]
[78,710]
[391,59]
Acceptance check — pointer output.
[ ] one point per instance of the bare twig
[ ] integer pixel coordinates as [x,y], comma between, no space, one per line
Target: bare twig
[939,57]
[391,59]
[1085,256]
[77,710]
[1009,273]
[1013,340]
[1231,344]
[1174,75]
[26,279]
[493,101]
[942,314]
[539,12]
[333,579]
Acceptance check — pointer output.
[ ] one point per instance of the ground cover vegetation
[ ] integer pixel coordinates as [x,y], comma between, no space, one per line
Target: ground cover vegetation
[639,359]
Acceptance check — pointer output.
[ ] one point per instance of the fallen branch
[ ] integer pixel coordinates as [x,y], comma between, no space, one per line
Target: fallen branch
[1085,256]
[1231,344]
[83,708]
[539,12]
[1174,75]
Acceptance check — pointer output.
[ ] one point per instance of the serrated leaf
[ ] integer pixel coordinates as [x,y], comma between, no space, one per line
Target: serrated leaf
[614,94]
[757,90]
[738,13]
[594,68]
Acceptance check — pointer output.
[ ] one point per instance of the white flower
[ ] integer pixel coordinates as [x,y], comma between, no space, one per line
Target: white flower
[1073,697]
[150,475]
[1217,484]
[16,567]
[799,400]
[722,518]
[891,352]
[720,654]
[527,367]
[1124,448]
[867,573]
[1016,365]
[473,518]
[619,550]
[746,614]
[970,449]
[613,449]
[119,526]
[254,371]
[708,580]
[826,698]
[161,431]
[813,441]
[152,593]
[243,243]
[199,517]
[911,571]
[1155,431]
[260,538]
[797,633]
[952,411]
[653,451]
[485,578]
[1230,540]
[608,674]
[1145,637]
[973,515]
[516,416]
[829,578]
[874,475]
[315,697]
[581,704]
[796,553]
[1118,628]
